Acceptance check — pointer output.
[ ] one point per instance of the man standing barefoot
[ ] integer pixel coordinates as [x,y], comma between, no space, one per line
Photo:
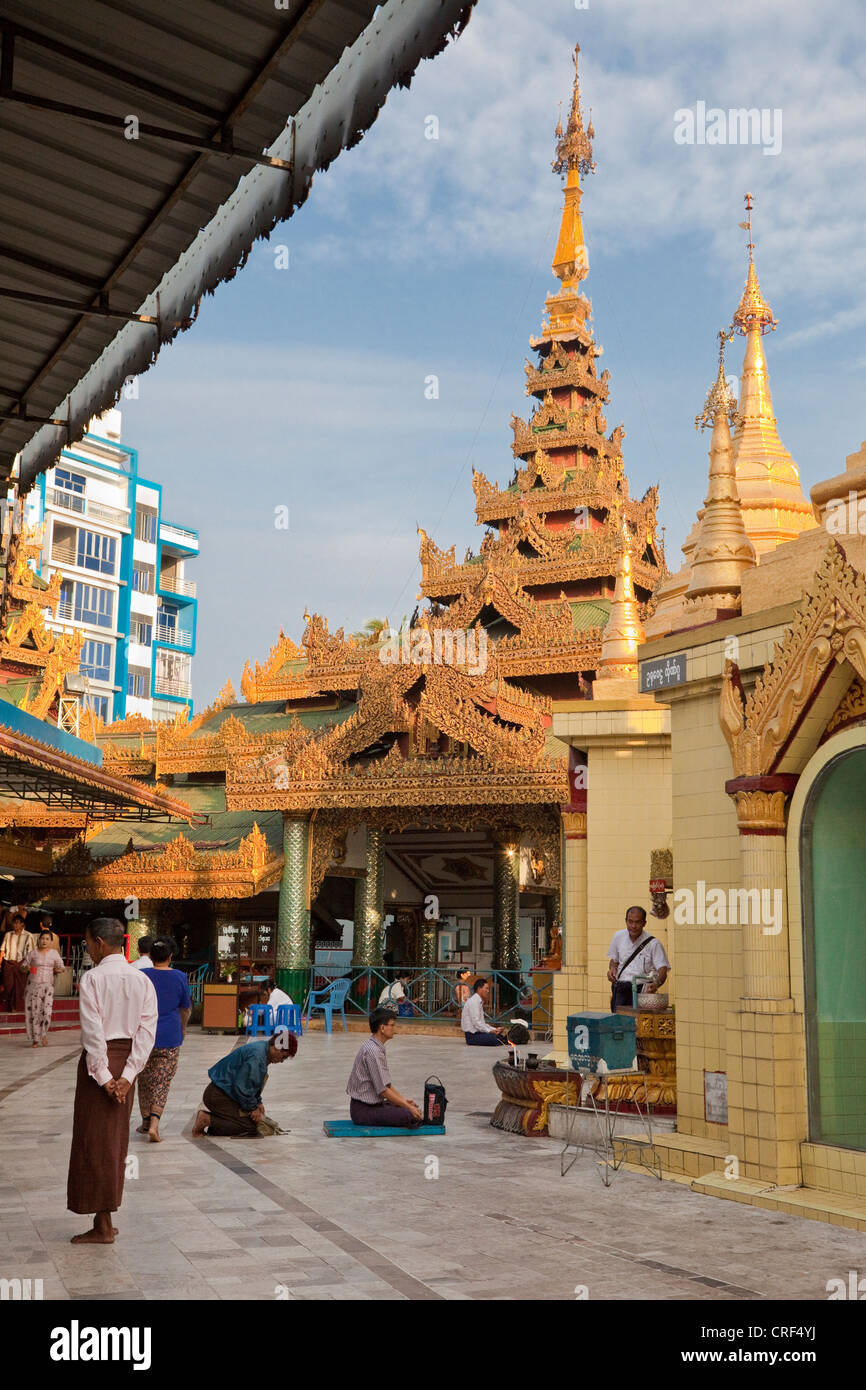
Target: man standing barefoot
[118,1026]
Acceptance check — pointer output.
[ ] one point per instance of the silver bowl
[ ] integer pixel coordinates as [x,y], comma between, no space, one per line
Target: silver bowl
[651,1003]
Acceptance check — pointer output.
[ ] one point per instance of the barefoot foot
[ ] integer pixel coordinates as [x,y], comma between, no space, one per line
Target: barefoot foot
[143,1128]
[94,1237]
[202,1120]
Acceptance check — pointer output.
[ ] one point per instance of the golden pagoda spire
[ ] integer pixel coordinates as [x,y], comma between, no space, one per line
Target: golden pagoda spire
[573,158]
[722,550]
[623,632]
[768,480]
[568,309]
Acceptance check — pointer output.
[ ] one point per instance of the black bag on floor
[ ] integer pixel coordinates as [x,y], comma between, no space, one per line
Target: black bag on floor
[435,1101]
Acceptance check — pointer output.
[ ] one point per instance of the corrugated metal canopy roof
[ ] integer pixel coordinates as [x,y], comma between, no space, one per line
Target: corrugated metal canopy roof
[117,119]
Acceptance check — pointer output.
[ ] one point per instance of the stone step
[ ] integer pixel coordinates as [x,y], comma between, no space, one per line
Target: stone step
[64,1018]
[812,1202]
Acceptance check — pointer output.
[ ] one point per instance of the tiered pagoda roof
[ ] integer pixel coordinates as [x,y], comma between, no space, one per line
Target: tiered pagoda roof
[556,530]
[34,659]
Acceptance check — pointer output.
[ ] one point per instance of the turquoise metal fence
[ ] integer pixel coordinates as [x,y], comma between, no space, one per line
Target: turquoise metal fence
[433,991]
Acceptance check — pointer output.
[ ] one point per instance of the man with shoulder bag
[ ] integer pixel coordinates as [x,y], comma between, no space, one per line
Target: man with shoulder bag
[634,952]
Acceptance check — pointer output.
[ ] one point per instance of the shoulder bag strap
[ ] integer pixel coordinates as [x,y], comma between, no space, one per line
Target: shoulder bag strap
[636,952]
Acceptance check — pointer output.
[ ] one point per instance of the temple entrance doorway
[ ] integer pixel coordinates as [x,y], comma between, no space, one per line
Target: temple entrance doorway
[833,851]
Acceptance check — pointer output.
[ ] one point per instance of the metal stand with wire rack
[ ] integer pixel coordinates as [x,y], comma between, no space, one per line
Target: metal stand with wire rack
[638,1149]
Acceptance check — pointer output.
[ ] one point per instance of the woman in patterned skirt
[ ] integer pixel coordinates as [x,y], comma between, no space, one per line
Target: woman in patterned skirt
[40,967]
[175,1007]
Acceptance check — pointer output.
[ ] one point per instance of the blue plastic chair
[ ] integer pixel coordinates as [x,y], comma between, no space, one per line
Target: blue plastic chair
[196,980]
[330,998]
[261,1021]
[289,1017]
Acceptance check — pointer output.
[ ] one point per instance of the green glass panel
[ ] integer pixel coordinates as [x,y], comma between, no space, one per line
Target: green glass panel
[834,847]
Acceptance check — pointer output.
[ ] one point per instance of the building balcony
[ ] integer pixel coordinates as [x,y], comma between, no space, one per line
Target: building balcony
[165,685]
[63,553]
[179,537]
[84,506]
[175,636]
[171,585]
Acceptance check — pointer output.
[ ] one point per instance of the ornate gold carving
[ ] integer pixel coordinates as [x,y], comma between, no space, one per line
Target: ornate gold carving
[262,683]
[574,825]
[851,709]
[760,810]
[177,871]
[662,865]
[828,627]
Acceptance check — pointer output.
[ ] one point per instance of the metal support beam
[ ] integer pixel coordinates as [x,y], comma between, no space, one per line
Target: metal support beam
[12,31]
[223,144]
[68,306]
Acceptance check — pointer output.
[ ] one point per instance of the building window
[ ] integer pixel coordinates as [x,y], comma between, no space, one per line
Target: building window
[166,622]
[145,526]
[87,603]
[96,552]
[142,578]
[70,482]
[99,705]
[138,683]
[142,632]
[96,661]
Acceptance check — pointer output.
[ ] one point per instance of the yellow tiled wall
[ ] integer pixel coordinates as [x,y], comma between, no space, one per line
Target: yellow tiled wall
[707,960]
[629,815]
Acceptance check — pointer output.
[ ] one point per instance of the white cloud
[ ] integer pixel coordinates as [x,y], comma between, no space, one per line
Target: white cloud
[484,190]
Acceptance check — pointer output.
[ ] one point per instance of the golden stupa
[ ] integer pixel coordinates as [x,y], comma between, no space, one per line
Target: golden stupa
[768,480]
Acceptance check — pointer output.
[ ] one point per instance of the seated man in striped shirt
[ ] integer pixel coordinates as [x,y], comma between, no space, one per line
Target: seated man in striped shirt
[372,1098]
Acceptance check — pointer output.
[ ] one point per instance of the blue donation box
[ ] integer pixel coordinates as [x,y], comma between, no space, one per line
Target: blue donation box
[600,1042]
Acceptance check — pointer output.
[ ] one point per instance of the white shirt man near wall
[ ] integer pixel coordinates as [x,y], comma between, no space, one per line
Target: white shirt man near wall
[634,952]
[476,1030]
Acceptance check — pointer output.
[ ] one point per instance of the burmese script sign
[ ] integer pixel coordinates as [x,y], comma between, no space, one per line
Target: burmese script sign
[716,1097]
[662,672]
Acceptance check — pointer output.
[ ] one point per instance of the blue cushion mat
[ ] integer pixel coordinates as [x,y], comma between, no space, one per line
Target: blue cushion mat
[344,1129]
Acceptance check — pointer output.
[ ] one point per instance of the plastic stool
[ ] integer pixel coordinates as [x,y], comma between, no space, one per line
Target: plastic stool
[289,1016]
[261,1021]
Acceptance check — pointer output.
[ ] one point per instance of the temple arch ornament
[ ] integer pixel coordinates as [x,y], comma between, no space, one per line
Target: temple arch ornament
[776,727]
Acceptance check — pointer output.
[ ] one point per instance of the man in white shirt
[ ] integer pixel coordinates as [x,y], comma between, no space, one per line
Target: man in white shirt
[394,996]
[17,944]
[476,1030]
[144,961]
[119,1010]
[273,996]
[634,952]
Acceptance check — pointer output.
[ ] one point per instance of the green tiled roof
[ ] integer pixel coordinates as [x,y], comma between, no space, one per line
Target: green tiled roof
[13,690]
[225,826]
[593,612]
[268,716]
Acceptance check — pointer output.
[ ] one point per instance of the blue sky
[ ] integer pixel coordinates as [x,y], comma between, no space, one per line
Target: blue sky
[305,386]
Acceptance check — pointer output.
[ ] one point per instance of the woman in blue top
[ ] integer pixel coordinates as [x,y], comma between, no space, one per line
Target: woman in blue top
[175,1007]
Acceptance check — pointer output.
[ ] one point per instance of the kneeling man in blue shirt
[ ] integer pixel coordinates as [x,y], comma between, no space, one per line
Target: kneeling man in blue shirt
[232,1103]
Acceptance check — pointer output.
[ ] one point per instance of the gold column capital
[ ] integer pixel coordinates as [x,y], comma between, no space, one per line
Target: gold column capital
[574,824]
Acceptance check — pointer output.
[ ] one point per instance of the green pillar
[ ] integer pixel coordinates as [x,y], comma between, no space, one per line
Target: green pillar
[506,903]
[370,916]
[427,956]
[293,913]
[145,924]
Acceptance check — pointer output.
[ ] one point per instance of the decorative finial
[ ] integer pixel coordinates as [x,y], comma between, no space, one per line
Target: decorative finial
[720,397]
[747,225]
[574,148]
[753,311]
